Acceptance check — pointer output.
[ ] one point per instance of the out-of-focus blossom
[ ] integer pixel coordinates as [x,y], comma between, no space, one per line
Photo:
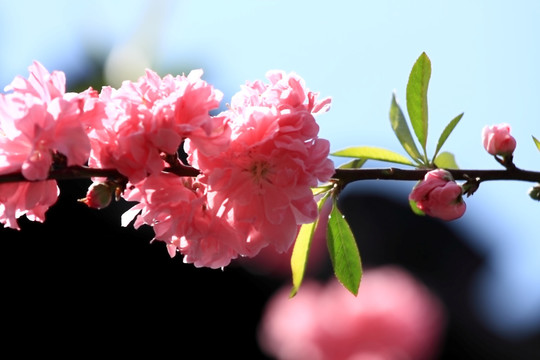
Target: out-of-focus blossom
[394,317]
[497,140]
[439,196]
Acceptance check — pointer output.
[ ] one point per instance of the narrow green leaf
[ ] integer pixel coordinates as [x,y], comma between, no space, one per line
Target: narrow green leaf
[401,129]
[373,153]
[301,248]
[446,132]
[353,164]
[446,160]
[343,251]
[536,142]
[417,104]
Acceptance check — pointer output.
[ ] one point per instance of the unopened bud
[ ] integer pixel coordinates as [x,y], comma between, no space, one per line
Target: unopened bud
[534,192]
[99,195]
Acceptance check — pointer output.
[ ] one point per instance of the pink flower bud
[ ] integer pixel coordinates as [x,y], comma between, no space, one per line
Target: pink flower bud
[439,196]
[497,140]
[99,195]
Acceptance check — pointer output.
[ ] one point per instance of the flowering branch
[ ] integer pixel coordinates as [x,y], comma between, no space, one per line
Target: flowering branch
[346,176]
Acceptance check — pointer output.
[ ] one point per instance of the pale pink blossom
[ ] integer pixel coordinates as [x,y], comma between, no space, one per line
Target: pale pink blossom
[32,199]
[37,120]
[263,179]
[393,317]
[439,196]
[497,140]
[153,116]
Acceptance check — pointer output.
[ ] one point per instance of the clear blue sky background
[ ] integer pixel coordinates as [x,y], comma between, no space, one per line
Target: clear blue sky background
[485,59]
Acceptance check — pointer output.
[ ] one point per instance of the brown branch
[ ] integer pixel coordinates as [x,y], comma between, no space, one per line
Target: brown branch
[84,172]
[349,175]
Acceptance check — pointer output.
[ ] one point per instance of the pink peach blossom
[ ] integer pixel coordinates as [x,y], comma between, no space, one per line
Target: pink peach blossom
[176,209]
[38,119]
[32,199]
[153,116]
[497,140]
[439,196]
[394,317]
[263,179]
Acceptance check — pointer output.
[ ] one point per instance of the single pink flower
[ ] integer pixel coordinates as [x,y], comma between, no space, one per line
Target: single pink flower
[393,317]
[497,140]
[263,180]
[439,196]
[32,199]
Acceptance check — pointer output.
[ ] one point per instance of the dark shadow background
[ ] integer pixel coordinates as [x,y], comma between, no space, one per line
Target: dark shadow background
[80,284]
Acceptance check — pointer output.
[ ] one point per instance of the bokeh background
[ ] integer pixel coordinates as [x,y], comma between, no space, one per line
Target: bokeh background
[82,279]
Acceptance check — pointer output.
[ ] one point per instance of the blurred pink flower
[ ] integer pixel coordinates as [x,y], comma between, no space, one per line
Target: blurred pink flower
[439,196]
[497,140]
[394,317]
[37,118]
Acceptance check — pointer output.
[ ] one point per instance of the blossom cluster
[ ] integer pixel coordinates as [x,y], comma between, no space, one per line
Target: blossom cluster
[257,160]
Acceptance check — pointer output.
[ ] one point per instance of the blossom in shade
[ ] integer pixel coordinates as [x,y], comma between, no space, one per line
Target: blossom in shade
[497,140]
[32,199]
[263,180]
[393,317]
[438,195]
[176,209]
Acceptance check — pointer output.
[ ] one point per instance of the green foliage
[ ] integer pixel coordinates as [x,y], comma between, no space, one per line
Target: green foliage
[446,160]
[301,248]
[343,250]
[373,153]
[536,142]
[417,105]
[401,129]
[446,132]
[342,246]
[353,164]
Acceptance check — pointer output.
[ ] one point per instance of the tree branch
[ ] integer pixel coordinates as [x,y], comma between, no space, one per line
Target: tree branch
[350,175]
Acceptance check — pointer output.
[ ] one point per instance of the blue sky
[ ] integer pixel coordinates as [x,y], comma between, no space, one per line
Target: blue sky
[485,62]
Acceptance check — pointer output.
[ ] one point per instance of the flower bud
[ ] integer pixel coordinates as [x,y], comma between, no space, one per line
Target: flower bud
[497,140]
[99,195]
[439,196]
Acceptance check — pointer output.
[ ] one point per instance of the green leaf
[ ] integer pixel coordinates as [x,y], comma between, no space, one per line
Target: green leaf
[373,153]
[417,104]
[343,250]
[301,248]
[401,129]
[353,164]
[536,142]
[446,160]
[446,132]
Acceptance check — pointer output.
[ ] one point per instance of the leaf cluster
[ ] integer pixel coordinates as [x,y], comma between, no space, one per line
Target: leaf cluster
[341,243]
